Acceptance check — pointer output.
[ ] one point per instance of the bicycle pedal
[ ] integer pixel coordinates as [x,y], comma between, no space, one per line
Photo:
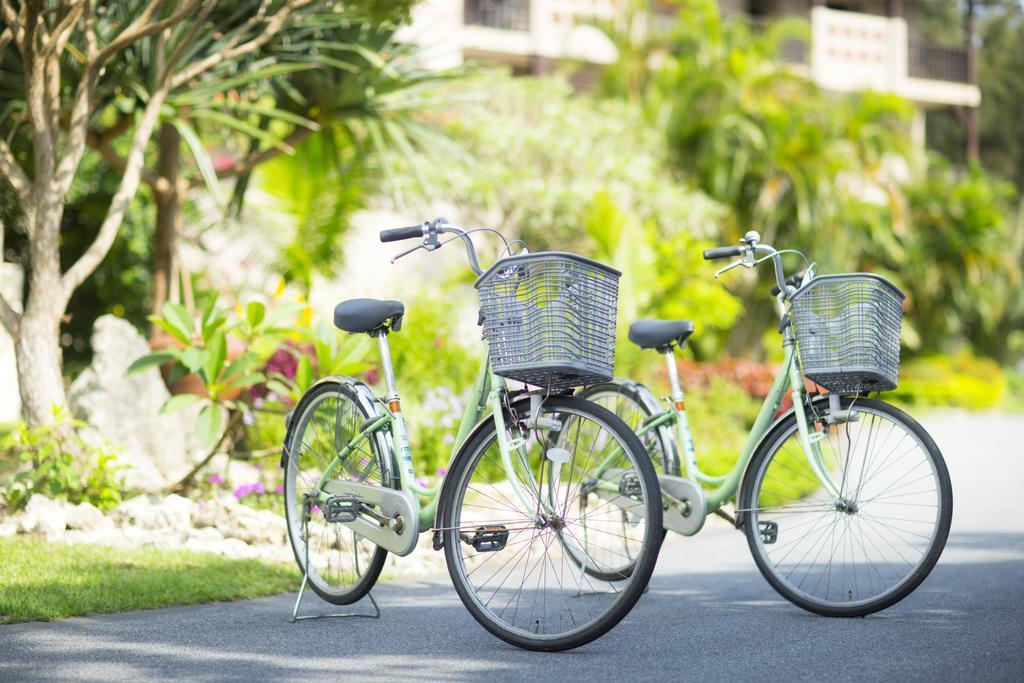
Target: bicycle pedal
[769,532]
[339,509]
[487,539]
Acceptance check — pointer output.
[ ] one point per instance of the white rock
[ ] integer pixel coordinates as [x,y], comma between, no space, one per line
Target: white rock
[8,528]
[148,511]
[87,517]
[182,505]
[26,522]
[228,547]
[158,448]
[205,534]
[111,536]
[51,516]
[235,520]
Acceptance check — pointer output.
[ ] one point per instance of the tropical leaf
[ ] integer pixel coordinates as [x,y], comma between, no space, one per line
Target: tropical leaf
[180,401]
[149,360]
[209,424]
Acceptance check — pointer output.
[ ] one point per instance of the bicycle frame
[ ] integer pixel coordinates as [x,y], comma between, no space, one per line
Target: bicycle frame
[726,486]
[488,390]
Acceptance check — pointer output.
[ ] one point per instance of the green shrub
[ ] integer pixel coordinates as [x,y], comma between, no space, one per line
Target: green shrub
[264,430]
[956,381]
[60,464]
[1014,397]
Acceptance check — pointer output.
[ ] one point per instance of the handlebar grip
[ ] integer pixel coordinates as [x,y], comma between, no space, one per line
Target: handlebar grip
[722,252]
[398,234]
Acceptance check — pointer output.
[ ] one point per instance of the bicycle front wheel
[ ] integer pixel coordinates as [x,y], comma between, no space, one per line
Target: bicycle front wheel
[508,557]
[871,545]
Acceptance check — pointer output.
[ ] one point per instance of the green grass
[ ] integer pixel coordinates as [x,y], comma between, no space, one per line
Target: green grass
[44,581]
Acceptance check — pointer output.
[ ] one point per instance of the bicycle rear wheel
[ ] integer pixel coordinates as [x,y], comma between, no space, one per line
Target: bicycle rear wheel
[633,404]
[343,566]
[507,558]
[871,546]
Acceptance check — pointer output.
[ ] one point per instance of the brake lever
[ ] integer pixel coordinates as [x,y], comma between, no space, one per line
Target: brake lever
[734,264]
[409,251]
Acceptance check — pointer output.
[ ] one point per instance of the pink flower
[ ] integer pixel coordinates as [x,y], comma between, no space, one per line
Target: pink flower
[216,479]
[279,489]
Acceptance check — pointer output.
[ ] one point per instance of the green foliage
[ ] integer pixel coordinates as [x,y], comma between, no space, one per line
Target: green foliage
[536,155]
[606,191]
[201,349]
[961,263]
[957,381]
[1001,77]
[42,581]
[1014,397]
[265,432]
[831,175]
[58,463]
[302,202]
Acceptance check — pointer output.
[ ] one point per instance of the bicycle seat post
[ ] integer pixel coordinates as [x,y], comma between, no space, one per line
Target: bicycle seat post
[674,384]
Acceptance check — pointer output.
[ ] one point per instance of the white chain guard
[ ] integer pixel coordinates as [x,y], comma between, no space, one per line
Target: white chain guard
[676,491]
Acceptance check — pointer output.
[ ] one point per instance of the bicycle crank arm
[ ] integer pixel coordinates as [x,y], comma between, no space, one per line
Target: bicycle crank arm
[686,509]
[385,516]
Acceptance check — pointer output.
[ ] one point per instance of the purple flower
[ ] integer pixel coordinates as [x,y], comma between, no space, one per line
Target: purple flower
[441,471]
[248,489]
[216,479]
[279,489]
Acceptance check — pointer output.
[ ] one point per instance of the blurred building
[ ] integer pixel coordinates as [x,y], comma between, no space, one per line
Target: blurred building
[855,44]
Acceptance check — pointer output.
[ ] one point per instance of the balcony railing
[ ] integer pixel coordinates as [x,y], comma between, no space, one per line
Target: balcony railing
[937,62]
[511,15]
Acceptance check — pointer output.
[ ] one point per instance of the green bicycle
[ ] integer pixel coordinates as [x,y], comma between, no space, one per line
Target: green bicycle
[845,500]
[522,486]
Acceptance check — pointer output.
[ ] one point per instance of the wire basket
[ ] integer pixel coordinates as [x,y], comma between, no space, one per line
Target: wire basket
[549,319]
[848,332]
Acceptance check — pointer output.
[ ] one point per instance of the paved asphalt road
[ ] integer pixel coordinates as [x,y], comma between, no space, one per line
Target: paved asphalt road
[708,615]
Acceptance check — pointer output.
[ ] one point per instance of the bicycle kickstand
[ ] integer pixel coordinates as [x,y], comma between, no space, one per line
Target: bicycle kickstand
[375,614]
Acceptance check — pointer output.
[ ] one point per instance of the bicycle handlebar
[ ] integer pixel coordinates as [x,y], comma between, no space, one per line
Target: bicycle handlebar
[398,234]
[429,231]
[748,247]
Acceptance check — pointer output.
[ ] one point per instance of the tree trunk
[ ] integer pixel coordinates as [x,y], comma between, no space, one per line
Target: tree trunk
[37,346]
[168,215]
